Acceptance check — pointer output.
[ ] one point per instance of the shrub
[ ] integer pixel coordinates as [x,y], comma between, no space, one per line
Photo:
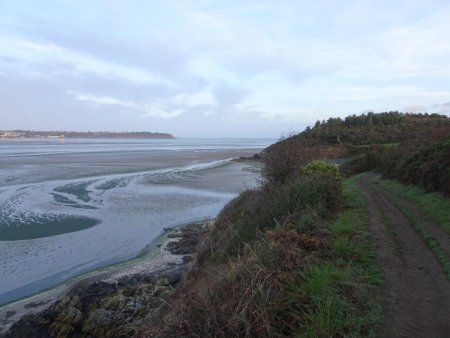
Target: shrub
[322,168]
[366,159]
[427,165]
[284,159]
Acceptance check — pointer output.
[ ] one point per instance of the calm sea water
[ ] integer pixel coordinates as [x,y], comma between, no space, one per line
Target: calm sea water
[67,208]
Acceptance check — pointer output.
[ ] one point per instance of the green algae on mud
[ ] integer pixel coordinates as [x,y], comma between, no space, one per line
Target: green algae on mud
[45,225]
[79,190]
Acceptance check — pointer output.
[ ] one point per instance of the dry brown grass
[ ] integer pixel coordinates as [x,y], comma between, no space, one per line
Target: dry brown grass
[246,297]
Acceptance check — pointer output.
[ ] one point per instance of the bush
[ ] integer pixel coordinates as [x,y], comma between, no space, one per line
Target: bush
[284,159]
[322,168]
[427,165]
[369,159]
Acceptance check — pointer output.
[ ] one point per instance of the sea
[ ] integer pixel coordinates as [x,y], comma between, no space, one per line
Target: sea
[76,205]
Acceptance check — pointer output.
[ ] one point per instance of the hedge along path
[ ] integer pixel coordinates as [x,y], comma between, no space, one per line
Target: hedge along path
[417,290]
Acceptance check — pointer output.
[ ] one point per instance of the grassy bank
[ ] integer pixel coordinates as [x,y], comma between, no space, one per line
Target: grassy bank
[287,259]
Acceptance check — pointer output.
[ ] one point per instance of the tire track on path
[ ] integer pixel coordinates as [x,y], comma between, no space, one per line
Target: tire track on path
[417,292]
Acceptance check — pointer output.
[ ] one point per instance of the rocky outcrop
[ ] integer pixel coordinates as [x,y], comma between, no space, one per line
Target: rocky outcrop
[189,237]
[101,309]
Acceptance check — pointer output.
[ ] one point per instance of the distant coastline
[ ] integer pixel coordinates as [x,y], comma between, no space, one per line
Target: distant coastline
[20,134]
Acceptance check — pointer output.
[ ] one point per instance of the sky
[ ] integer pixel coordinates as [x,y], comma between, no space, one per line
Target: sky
[249,68]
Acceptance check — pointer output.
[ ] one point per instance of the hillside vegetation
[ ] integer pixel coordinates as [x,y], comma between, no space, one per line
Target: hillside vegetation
[413,148]
[292,257]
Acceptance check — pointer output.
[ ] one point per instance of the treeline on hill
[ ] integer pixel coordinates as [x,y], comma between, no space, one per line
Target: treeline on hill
[413,148]
[374,128]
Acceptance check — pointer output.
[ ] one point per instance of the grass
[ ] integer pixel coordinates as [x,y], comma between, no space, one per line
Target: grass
[434,205]
[320,280]
[390,145]
[328,318]
[342,292]
[396,191]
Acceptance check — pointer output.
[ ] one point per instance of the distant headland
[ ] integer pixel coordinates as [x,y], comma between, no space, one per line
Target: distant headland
[16,134]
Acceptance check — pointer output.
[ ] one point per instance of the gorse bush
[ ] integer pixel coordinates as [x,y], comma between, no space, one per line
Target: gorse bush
[322,168]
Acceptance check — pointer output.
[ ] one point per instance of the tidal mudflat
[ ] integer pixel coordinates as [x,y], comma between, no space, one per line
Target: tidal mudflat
[70,208]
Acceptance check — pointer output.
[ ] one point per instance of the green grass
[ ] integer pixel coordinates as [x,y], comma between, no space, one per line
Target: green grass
[328,318]
[320,280]
[343,247]
[390,145]
[434,205]
[343,291]
[343,226]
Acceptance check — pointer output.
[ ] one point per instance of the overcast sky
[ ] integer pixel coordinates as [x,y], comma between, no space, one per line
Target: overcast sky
[218,68]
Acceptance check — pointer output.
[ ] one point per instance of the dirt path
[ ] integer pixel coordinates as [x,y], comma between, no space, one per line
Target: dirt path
[417,291]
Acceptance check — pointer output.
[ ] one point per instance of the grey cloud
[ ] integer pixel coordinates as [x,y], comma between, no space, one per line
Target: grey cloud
[156,56]
[441,108]
[439,105]
[251,63]
[148,52]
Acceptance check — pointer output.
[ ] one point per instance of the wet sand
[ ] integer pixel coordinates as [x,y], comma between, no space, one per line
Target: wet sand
[32,169]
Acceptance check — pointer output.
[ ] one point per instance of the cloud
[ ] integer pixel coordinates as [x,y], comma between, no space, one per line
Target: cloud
[167,108]
[155,109]
[441,108]
[41,57]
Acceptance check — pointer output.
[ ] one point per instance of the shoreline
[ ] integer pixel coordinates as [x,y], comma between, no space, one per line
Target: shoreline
[155,258]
